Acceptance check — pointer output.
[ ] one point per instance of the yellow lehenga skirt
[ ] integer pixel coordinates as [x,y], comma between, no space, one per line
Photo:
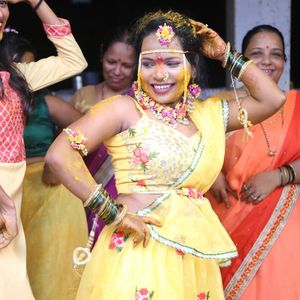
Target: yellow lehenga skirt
[166,268]
[14,283]
[55,223]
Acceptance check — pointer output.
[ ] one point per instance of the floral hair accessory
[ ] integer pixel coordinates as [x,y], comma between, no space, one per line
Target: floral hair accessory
[77,141]
[194,90]
[165,34]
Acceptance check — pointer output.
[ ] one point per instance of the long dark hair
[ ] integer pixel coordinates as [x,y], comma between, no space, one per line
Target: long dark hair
[262,28]
[10,47]
[184,31]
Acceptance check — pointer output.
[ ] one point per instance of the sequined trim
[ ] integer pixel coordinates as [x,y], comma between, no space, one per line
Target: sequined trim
[264,243]
[186,249]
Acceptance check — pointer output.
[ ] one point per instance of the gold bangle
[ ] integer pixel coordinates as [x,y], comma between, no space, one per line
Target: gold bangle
[243,69]
[92,195]
[226,55]
[120,216]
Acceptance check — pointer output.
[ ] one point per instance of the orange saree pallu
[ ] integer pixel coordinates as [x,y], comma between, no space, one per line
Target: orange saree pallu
[260,231]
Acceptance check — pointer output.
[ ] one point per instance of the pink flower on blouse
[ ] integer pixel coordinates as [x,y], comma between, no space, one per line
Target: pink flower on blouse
[143,294]
[141,156]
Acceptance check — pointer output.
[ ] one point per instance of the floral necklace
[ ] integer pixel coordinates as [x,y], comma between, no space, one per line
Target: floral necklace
[169,115]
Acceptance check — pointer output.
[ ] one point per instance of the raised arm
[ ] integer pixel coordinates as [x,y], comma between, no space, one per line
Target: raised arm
[69,60]
[265,96]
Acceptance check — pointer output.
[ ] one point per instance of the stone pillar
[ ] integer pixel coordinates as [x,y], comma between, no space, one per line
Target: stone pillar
[242,15]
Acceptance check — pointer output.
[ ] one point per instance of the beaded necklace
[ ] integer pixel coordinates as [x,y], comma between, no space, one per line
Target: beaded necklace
[169,115]
[273,119]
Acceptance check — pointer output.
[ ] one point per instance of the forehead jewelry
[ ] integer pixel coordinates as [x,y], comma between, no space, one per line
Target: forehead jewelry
[165,34]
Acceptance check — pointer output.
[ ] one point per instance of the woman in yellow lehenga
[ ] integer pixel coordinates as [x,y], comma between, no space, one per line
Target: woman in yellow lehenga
[163,241]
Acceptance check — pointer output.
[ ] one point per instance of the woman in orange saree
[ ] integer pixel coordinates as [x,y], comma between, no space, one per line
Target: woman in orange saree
[262,212]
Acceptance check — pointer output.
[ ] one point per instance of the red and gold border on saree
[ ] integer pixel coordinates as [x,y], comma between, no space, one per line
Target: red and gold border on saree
[264,243]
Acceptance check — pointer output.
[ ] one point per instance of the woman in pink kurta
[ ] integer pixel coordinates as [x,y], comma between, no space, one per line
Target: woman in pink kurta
[14,101]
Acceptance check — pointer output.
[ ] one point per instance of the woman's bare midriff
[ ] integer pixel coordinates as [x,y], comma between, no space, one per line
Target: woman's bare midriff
[136,201]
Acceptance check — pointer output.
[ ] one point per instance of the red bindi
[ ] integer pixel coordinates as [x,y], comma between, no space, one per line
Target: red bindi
[159,60]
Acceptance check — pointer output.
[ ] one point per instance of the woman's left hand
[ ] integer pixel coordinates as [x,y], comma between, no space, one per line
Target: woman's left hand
[258,187]
[213,46]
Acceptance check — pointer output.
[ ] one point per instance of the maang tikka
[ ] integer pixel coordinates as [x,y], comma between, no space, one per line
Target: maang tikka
[165,34]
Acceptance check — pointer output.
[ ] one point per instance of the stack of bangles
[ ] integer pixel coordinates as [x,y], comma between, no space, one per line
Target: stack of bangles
[104,206]
[235,62]
[287,174]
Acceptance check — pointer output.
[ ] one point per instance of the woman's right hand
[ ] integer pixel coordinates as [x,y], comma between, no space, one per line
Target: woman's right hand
[8,223]
[220,190]
[212,46]
[137,225]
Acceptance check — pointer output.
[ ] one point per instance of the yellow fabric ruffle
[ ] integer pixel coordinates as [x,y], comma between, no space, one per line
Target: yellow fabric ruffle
[191,226]
[119,271]
[54,223]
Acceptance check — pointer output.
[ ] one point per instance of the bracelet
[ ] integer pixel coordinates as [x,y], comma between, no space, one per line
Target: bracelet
[284,176]
[103,205]
[291,173]
[77,141]
[235,62]
[226,55]
[281,176]
[121,215]
[38,5]
[92,195]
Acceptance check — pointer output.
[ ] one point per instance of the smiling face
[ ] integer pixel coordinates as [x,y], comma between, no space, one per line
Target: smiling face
[4,14]
[164,75]
[266,50]
[118,65]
